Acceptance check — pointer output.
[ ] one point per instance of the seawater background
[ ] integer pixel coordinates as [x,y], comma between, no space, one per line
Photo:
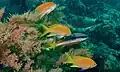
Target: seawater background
[19,6]
[82,14]
[73,7]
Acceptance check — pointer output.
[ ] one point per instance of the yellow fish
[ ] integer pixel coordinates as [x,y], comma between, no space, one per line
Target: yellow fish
[45,8]
[80,62]
[58,29]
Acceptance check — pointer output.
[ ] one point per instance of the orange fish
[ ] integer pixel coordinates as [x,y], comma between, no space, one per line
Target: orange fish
[45,8]
[80,62]
[58,29]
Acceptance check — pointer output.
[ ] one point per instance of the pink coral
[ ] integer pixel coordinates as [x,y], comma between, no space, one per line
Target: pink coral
[16,20]
[17,33]
[10,59]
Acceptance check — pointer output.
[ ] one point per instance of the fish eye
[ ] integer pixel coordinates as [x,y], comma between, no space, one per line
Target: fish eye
[64,37]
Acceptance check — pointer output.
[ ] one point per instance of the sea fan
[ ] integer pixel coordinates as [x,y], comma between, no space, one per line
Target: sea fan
[56,70]
[27,17]
[32,33]
[31,16]
[11,60]
[29,46]
[61,60]
[16,19]
[26,48]
[83,52]
[4,38]
[3,48]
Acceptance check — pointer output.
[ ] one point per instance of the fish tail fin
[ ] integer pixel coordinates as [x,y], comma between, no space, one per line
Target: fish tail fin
[46,30]
[43,34]
[52,46]
[83,69]
[45,27]
[42,15]
[68,58]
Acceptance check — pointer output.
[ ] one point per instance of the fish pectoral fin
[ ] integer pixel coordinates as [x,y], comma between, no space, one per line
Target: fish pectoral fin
[82,69]
[45,27]
[74,66]
[68,62]
[53,45]
[42,15]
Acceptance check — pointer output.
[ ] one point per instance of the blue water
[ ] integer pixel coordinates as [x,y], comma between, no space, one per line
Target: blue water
[85,16]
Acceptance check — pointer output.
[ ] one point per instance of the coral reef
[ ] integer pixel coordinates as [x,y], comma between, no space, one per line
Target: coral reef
[24,49]
[104,33]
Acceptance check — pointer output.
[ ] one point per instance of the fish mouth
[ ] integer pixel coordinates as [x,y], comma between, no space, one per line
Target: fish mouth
[93,66]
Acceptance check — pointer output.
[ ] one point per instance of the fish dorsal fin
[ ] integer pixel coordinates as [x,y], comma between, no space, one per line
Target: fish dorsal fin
[46,30]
